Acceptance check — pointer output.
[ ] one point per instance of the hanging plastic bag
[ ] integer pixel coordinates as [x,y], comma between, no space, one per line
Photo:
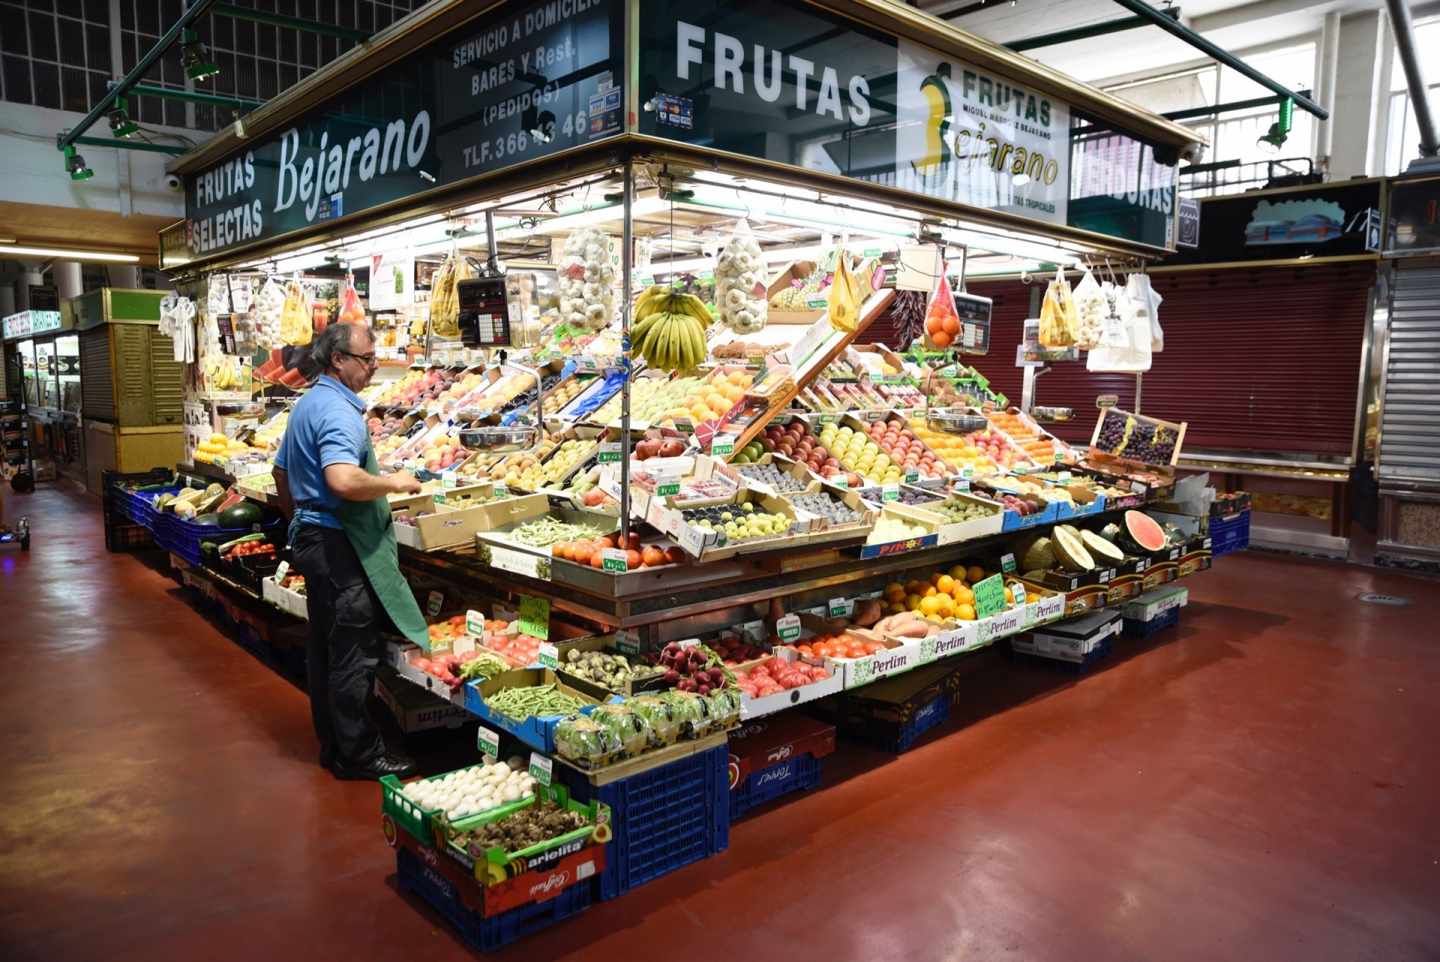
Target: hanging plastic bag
[295,318]
[843,302]
[1120,349]
[1090,309]
[740,282]
[445,295]
[942,321]
[1058,323]
[1143,294]
[351,312]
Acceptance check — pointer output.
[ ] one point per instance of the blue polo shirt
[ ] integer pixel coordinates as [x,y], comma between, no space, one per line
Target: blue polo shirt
[327,426]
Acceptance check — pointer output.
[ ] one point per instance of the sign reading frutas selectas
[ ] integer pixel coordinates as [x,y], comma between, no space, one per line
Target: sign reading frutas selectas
[518,84]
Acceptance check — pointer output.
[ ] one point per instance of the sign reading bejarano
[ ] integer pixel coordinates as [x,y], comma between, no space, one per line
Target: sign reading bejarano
[518,84]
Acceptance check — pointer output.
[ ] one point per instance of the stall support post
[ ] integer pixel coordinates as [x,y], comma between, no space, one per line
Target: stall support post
[626,240]
[1138,378]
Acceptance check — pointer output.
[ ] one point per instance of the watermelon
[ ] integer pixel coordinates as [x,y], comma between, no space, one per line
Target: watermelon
[243,515]
[1142,533]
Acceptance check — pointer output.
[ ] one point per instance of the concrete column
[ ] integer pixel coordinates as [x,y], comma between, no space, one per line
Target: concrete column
[68,280]
[1328,62]
[123,275]
[7,299]
[1362,81]
[28,276]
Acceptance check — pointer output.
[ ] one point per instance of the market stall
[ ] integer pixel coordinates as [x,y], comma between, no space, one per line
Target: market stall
[45,352]
[669,481]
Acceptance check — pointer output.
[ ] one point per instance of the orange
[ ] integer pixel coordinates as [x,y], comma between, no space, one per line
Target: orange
[965,612]
[958,573]
[915,587]
[1031,597]
[945,584]
[912,602]
[940,338]
[930,607]
[964,595]
[894,591]
[930,592]
[974,574]
[952,326]
[935,578]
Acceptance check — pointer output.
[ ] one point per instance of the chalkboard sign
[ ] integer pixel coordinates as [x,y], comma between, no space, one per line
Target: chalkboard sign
[484,312]
[974,312]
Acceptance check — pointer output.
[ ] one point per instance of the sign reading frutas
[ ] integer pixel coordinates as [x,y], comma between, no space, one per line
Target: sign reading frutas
[508,87]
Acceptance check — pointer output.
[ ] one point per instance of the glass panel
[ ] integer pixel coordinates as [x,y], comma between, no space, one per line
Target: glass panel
[1293,67]
[1119,187]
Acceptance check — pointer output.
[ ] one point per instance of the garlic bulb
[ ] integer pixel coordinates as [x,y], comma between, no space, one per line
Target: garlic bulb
[586,279]
[740,297]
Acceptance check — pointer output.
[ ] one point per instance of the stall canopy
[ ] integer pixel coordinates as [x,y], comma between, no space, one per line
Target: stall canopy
[871,99]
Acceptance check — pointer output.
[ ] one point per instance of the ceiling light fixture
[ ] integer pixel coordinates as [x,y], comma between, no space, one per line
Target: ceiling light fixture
[195,57]
[1273,139]
[69,255]
[120,123]
[75,164]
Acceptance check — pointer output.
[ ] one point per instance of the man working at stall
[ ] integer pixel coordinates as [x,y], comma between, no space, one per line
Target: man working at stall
[342,542]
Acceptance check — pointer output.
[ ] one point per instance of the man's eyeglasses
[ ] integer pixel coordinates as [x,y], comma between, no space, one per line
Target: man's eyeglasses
[367,359]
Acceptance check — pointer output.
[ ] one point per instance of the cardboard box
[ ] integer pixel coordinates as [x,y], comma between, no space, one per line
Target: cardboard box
[758,707]
[886,549]
[605,643]
[416,710]
[759,745]
[796,270]
[1071,641]
[950,532]
[291,602]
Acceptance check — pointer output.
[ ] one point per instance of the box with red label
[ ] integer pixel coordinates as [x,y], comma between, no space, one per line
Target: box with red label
[774,757]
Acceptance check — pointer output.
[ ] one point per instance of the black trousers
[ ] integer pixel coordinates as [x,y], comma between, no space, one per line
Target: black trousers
[344,647]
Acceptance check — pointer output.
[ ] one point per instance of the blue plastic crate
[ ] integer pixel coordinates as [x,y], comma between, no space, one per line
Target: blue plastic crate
[925,717]
[1229,534]
[1140,630]
[663,819]
[798,774]
[1090,659]
[182,537]
[486,934]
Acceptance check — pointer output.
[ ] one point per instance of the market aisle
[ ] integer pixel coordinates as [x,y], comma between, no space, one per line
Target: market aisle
[1260,784]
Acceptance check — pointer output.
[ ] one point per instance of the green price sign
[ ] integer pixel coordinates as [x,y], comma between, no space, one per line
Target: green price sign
[535,616]
[1007,563]
[788,628]
[665,490]
[613,559]
[990,596]
[911,476]
[488,741]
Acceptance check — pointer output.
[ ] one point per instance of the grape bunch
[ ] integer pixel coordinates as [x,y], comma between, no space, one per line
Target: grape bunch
[1113,431]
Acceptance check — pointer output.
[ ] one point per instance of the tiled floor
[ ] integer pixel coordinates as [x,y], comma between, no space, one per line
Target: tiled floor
[1259,784]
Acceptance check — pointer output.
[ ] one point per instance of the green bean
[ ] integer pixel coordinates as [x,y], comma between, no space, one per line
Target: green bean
[521,703]
[543,532]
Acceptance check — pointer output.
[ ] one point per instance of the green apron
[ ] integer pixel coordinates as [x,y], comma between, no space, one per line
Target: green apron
[371,533]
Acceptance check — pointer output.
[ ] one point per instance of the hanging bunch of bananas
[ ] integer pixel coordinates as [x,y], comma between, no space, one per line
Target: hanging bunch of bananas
[669,330]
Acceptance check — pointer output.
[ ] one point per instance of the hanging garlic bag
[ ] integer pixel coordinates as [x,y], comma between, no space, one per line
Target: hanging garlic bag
[586,278]
[843,302]
[295,321]
[740,282]
[445,295]
[1090,310]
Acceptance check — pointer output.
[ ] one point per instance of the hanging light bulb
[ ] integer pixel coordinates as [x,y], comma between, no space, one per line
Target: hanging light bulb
[75,164]
[195,57]
[1273,139]
[120,123]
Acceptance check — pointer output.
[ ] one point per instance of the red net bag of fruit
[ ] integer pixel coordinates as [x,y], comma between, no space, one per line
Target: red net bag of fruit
[351,312]
[942,322]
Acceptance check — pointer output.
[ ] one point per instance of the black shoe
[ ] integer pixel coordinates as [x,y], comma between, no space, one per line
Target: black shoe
[374,770]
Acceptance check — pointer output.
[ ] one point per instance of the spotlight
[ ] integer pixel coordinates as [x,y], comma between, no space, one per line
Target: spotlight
[1273,139]
[120,123]
[75,165]
[195,57]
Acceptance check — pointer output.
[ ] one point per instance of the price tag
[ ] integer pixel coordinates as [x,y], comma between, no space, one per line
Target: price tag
[516,562]
[500,491]
[627,642]
[475,623]
[788,628]
[967,473]
[434,602]
[839,481]
[667,487]
[535,616]
[610,452]
[1106,575]
[541,768]
[692,540]
[961,485]
[687,643]
[989,596]
[1059,457]
[439,496]
[447,478]
[890,492]
[463,644]
[840,608]
[723,445]
[613,559]
[487,740]
[549,655]
[911,475]
[281,570]
[1007,562]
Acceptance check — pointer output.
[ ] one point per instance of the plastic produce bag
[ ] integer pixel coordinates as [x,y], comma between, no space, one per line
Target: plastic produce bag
[942,323]
[582,740]
[1058,323]
[740,282]
[725,706]
[630,728]
[295,320]
[843,302]
[1090,309]
[1148,299]
[1125,346]
[445,297]
[665,722]
[350,310]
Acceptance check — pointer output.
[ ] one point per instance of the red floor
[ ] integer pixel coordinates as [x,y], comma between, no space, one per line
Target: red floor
[1259,785]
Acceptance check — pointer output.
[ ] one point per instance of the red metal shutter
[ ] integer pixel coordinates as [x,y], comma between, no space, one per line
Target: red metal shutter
[1256,359]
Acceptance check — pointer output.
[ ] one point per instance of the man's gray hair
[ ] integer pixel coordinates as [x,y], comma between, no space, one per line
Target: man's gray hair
[337,338]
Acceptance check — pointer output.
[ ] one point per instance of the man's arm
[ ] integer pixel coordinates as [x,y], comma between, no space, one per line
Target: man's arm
[350,482]
[282,492]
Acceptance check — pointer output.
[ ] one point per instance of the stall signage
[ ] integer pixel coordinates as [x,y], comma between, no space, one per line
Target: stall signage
[522,82]
[989,596]
[792,83]
[30,323]
[535,616]
[487,740]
